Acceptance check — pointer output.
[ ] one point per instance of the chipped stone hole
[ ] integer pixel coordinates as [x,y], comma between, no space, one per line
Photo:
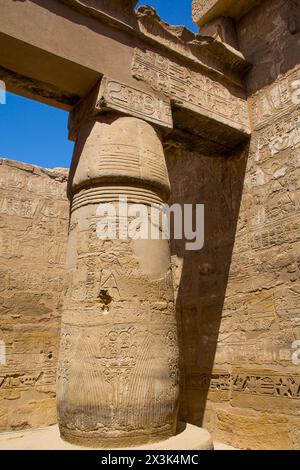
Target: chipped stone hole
[105,298]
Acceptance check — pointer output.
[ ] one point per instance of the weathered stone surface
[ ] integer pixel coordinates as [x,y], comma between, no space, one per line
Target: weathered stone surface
[111,95]
[33,222]
[205,11]
[250,430]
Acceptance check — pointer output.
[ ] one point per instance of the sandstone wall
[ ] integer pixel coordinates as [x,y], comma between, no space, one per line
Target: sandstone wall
[240,315]
[33,233]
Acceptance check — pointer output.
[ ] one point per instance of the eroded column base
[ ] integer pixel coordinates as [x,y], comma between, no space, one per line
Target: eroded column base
[190,438]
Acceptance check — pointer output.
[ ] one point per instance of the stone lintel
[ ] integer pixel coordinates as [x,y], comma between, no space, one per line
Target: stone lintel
[112,95]
[31,52]
[38,90]
[193,92]
[205,11]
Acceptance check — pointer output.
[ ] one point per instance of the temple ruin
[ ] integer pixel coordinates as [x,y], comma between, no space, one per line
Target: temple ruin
[118,341]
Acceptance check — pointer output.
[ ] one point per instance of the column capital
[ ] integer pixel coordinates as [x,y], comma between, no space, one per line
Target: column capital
[111,95]
[120,152]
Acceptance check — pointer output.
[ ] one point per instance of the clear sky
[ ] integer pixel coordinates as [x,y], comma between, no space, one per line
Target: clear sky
[32,132]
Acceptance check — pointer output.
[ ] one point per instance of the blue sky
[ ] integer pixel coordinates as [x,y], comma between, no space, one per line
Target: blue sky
[32,132]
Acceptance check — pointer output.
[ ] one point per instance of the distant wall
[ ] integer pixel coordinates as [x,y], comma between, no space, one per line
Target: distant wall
[33,234]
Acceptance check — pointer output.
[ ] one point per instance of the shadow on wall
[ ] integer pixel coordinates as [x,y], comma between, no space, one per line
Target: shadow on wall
[201,276]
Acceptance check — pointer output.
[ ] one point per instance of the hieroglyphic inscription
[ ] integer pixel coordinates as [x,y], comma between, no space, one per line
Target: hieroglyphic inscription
[214,381]
[287,232]
[280,136]
[118,353]
[270,385]
[34,222]
[117,96]
[191,89]
[243,382]
[26,379]
[277,100]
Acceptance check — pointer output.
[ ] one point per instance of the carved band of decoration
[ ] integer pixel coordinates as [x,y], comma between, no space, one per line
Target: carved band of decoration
[274,385]
[191,90]
[279,136]
[112,193]
[119,97]
[214,381]
[111,95]
[120,161]
[26,379]
[270,385]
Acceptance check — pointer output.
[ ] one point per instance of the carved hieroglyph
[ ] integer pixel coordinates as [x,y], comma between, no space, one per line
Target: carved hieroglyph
[119,97]
[112,95]
[191,90]
[276,101]
[118,372]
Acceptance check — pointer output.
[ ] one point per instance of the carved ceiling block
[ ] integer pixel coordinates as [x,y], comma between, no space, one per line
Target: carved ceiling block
[205,11]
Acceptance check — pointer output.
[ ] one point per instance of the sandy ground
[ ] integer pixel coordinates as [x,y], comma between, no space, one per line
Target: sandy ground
[48,439]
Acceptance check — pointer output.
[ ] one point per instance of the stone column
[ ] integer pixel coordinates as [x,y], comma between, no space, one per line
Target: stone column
[118,367]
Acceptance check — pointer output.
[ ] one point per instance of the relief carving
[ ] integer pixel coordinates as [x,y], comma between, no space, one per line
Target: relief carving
[275,385]
[120,97]
[279,136]
[214,381]
[191,89]
[277,100]
[113,95]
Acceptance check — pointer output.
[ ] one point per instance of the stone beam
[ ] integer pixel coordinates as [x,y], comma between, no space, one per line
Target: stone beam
[190,90]
[205,11]
[145,57]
